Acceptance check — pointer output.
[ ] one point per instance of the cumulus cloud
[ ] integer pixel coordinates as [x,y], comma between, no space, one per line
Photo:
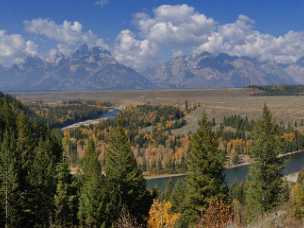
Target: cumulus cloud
[180,29]
[171,27]
[179,24]
[168,31]
[133,52]
[240,38]
[68,35]
[13,48]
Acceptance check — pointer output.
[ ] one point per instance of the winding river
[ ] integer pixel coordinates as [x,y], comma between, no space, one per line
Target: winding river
[110,114]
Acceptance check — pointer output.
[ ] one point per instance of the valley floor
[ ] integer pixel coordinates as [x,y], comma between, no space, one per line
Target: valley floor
[215,102]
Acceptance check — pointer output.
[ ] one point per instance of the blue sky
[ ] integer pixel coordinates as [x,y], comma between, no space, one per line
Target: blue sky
[114,23]
[272,16]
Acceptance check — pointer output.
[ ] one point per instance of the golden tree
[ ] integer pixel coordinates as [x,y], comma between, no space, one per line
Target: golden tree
[297,201]
[289,137]
[160,215]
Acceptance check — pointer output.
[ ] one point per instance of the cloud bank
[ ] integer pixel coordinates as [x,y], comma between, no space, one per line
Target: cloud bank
[68,35]
[13,48]
[168,31]
[181,29]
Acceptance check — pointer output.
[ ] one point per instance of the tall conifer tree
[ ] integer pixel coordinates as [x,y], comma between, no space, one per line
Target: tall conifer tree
[122,171]
[9,186]
[265,184]
[205,180]
[66,198]
[93,211]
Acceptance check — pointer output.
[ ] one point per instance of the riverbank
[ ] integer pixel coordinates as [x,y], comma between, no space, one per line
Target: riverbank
[294,163]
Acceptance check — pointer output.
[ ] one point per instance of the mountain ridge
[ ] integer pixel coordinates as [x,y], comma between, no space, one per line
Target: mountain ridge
[85,69]
[216,71]
[96,69]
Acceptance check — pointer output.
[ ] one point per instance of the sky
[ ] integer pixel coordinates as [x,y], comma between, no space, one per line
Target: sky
[144,32]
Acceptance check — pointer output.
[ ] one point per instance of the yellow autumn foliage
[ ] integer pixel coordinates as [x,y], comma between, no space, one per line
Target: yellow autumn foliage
[297,200]
[238,145]
[161,216]
[289,137]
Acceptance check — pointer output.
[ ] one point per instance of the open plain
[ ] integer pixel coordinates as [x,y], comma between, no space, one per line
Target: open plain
[216,102]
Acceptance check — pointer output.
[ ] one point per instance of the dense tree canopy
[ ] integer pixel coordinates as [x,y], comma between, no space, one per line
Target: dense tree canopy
[29,154]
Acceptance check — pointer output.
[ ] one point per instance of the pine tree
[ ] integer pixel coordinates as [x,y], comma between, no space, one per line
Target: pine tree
[265,185]
[177,196]
[9,187]
[205,180]
[24,142]
[66,198]
[42,183]
[122,172]
[25,153]
[94,194]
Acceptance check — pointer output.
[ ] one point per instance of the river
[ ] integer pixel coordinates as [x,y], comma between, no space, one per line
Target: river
[293,164]
[110,114]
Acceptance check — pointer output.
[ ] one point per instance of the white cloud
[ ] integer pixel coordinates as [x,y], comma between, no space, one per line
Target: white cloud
[240,38]
[180,29]
[13,48]
[179,24]
[170,30]
[134,52]
[171,27]
[68,35]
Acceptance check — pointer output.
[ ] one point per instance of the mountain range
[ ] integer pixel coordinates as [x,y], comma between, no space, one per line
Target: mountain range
[85,69]
[96,69]
[217,71]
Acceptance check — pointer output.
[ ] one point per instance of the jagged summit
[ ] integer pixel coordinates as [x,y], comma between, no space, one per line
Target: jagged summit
[86,68]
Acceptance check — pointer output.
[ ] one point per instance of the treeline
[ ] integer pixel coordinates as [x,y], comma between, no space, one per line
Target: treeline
[142,116]
[236,137]
[68,112]
[37,189]
[278,90]
[238,122]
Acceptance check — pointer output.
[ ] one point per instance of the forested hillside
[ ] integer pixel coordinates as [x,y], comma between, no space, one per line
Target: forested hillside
[37,189]
[30,153]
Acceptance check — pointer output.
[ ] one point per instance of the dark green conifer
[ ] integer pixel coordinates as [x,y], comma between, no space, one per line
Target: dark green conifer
[9,186]
[66,198]
[122,171]
[265,184]
[205,180]
[94,198]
